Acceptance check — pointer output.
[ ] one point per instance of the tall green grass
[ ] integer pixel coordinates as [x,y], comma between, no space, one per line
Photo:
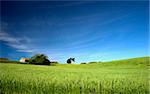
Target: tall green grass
[101,78]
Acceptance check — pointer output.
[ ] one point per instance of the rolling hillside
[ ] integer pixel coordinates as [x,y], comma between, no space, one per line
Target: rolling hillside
[133,63]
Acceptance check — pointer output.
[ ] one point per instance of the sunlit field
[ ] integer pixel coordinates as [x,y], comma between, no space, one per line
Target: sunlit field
[116,77]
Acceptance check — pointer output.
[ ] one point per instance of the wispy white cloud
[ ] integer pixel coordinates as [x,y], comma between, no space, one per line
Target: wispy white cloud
[29,51]
[15,42]
[7,38]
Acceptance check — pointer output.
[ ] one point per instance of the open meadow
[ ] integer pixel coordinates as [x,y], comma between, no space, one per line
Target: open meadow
[116,77]
[74,47]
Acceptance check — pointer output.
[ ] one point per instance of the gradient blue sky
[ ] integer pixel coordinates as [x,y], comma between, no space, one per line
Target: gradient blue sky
[88,31]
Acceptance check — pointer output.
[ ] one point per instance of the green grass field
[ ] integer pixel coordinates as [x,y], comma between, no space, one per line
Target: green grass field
[116,77]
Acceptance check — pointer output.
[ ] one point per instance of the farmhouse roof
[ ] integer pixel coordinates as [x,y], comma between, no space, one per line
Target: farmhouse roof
[25,58]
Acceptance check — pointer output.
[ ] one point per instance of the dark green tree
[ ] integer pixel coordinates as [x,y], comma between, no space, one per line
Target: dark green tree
[70,60]
[39,59]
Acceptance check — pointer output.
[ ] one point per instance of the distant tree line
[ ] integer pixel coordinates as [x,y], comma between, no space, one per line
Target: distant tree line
[6,60]
[41,59]
[38,59]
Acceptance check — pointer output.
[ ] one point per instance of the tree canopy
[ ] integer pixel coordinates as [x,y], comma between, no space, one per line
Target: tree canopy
[70,60]
[39,59]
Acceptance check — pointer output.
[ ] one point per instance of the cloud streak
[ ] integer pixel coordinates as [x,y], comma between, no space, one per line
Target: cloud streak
[15,42]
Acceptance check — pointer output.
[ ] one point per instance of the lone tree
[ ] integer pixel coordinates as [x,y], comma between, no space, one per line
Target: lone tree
[70,60]
[39,59]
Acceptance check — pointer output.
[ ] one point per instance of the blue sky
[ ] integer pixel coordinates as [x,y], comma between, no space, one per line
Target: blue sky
[88,31]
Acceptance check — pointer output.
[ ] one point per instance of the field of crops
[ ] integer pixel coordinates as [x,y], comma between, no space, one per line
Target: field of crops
[117,77]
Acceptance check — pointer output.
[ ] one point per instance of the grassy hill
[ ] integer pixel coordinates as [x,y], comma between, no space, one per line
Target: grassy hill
[128,76]
[136,62]
[133,61]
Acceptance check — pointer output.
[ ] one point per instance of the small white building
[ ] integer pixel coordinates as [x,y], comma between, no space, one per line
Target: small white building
[24,59]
